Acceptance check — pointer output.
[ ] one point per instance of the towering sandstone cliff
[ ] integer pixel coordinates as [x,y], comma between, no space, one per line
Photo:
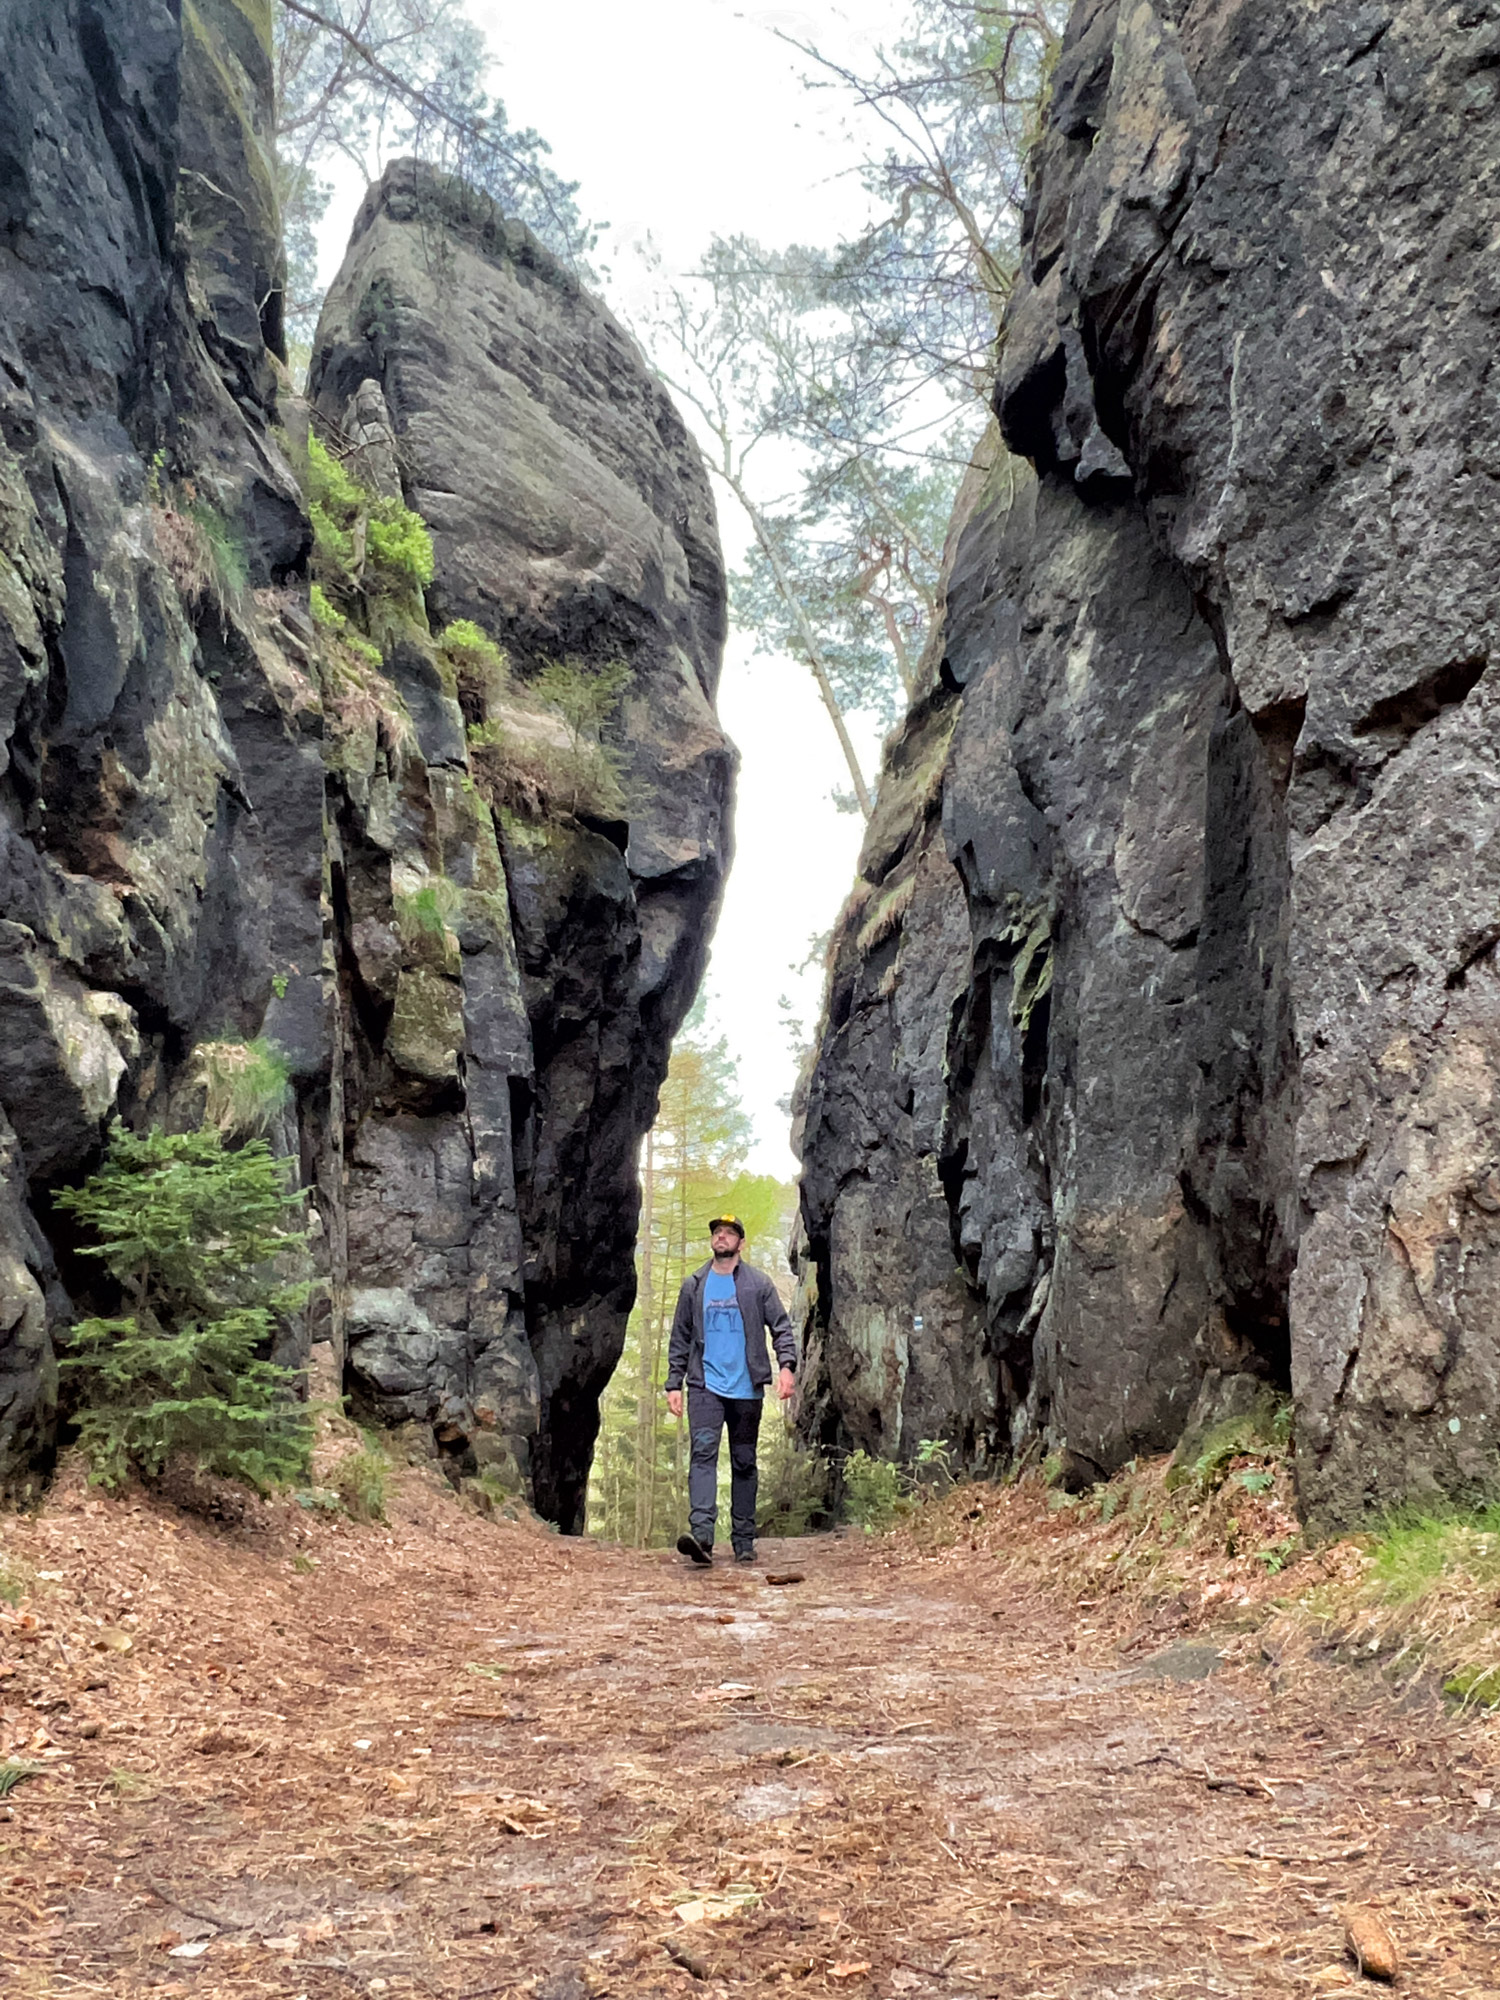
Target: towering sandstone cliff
[231,830]
[1162,1057]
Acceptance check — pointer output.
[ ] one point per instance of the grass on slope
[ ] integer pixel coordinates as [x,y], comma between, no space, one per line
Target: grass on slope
[1161,1550]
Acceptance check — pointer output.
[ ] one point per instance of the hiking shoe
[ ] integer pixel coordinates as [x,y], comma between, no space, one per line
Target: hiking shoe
[745,1555]
[701,1553]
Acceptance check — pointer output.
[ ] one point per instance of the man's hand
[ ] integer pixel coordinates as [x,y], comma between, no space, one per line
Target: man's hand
[787,1385]
[674,1401]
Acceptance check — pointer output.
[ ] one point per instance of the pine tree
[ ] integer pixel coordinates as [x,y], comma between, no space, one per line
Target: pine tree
[191,1231]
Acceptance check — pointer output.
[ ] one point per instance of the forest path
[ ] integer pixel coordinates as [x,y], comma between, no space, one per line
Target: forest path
[466,1758]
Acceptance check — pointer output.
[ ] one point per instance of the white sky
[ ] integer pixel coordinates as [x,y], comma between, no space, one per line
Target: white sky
[681,119]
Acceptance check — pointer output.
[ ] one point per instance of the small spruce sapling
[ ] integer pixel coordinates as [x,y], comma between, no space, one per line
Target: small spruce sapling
[191,1231]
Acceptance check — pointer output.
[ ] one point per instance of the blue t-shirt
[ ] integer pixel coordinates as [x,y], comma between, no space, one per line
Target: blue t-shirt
[725,1369]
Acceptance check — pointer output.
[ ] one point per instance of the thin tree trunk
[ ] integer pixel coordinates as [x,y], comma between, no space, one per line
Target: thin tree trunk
[809,637]
[645,1485]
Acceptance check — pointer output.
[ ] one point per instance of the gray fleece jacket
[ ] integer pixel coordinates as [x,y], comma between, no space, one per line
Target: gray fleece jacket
[760,1308]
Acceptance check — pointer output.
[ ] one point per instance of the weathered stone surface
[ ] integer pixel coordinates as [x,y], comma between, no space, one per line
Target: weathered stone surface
[1227,754]
[209,833]
[571,519]
[28,1368]
[139,886]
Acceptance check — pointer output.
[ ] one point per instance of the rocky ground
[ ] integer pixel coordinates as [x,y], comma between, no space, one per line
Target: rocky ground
[460,1757]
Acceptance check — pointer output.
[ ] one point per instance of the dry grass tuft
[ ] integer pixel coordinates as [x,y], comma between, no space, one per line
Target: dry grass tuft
[887,916]
[188,556]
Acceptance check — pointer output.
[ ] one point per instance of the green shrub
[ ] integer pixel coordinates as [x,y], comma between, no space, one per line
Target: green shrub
[359,1480]
[247,1085]
[534,777]
[586,697]
[190,1232]
[226,549]
[325,614]
[334,503]
[539,780]
[398,547]
[876,1494]
[473,667]
[793,1482]
[934,1462]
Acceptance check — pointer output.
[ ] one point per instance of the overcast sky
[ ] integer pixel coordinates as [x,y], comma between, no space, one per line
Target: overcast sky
[681,119]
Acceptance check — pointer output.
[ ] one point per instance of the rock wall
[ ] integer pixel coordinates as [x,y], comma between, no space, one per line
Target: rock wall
[1218,1082]
[229,827]
[571,521]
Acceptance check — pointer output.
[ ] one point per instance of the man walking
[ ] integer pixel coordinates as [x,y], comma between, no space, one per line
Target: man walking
[724,1312]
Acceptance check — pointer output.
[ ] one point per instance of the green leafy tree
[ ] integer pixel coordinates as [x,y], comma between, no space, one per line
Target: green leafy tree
[192,1232]
[869,362]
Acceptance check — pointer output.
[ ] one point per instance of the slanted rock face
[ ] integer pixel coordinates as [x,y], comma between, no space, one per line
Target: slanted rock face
[571,521]
[1226,755]
[224,820]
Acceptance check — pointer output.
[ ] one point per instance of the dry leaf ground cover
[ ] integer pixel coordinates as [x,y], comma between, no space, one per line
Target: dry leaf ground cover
[459,1757]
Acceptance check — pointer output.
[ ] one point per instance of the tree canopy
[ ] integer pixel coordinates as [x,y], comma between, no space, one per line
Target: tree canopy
[866,367]
[372,80]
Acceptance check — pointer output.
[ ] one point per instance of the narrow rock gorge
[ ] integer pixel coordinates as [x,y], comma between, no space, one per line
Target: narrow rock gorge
[1161,1060]
[358,757]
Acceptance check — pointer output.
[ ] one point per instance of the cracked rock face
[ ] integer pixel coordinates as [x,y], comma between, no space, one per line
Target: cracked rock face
[139,899]
[1221,792]
[571,520]
[204,841]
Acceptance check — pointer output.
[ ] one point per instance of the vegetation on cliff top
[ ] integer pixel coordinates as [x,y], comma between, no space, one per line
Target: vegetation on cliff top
[871,360]
[377,80]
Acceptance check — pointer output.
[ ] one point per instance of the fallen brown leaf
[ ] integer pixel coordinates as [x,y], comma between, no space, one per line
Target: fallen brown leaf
[850,1968]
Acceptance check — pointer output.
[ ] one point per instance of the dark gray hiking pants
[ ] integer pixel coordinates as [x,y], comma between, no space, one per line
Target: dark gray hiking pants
[708,1417]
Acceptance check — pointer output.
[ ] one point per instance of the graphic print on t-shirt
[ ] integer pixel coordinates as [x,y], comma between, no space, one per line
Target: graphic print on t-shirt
[725,1369]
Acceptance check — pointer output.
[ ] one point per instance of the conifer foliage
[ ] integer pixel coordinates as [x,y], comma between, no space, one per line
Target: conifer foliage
[196,1235]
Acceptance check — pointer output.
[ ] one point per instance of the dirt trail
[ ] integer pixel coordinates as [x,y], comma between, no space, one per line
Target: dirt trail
[465,1758]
